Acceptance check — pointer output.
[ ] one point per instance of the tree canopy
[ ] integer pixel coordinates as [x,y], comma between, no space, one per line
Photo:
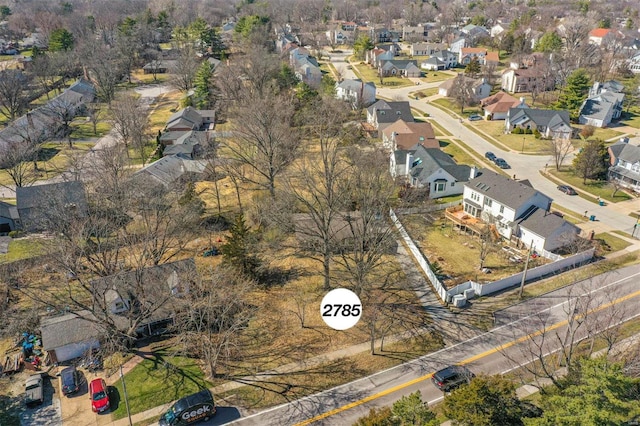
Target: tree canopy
[574,92]
[60,39]
[591,162]
[362,45]
[549,42]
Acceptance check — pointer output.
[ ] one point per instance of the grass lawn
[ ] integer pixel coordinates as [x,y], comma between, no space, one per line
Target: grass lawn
[604,134]
[609,243]
[598,188]
[448,103]
[159,379]
[459,155]
[140,76]
[632,117]
[23,248]
[433,76]
[165,105]
[367,74]
[441,130]
[425,93]
[83,129]
[523,143]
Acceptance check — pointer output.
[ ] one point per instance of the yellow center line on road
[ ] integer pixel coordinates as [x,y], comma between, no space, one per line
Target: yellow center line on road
[466,361]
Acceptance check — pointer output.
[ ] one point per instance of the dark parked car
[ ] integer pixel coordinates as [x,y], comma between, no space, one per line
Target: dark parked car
[34,390]
[69,380]
[452,377]
[567,190]
[475,117]
[500,162]
[490,156]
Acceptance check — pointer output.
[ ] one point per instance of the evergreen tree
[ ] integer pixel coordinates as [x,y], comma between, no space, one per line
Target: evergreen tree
[60,39]
[203,86]
[574,92]
[237,250]
[549,42]
[592,161]
[362,45]
[473,67]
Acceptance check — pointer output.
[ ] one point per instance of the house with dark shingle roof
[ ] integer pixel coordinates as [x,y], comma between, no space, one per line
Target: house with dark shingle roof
[407,136]
[404,68]
[71,335]
[356,92]
[550,123]
[625,165]
[603,105]
[190,118]
[171,170]
[433,64]
[382,113]
[497,106]
[431,168]
[9,218]
[517,210]
[47,206]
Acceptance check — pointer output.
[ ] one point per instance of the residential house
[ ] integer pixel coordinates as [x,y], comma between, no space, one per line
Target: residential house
[474,32]
[433,64]
[380,35]
[467,54]
[9,218]
[189,144]
[480,87]
[403,68]
[431,168]
[528,61]
[402,135]
[526,80]
[457,45]
[499,29]
[415,33]
[497,106]
[70,336]
[625,165]
[604,36]
[383,113]
[356,92]
[550,123]
[159,66]
[516,210]
[376,55]
[156,292]
[449,58]
[50,206]
[171,170]
[602,106]
[634,63]
[305,67]
[425,49]
[190,118]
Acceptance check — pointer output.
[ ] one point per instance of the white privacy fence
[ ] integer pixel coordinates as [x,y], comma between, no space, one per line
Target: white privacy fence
[446,296]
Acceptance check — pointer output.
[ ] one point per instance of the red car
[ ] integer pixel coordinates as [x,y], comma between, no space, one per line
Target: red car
[98,395]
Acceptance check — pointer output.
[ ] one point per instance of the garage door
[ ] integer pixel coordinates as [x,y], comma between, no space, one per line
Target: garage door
[75,350]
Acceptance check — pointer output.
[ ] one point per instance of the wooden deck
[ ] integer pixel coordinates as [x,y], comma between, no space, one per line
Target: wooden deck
[464,220]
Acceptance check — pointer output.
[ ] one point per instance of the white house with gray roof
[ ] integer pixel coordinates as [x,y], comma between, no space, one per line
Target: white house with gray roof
[517,210]
[625,165]
[356,92]
[550,123]
[433,169]
[603,105]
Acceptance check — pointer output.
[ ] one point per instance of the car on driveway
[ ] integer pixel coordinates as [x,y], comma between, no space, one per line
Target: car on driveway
[475,117]
[34,390]
[99,396]
[567,190]
[490,156]
[500,162]
[69,380]
[452,377]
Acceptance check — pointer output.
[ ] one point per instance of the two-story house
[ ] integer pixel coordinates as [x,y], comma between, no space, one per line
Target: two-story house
[383,113]
[603,105]
[450,59]
[484,56]
[480,87]
[526,80]
[517,210]
[408,135]
[625,165]
[356,92]
[425,49]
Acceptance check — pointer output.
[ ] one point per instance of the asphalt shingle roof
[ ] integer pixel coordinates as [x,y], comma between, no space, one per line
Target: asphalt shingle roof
[542,223]
[511,193]
[434,159]
[68,329]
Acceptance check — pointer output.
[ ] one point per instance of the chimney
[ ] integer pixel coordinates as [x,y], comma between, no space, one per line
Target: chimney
[522,99]
[473,172]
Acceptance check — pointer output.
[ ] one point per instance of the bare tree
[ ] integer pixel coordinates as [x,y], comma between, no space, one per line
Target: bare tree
[131,122]
[105,71]
[61,112]
[560,148]
[462,92]
[15,160]
[185,70]
[44,72]
[95,113]
[14,89]
[263,139]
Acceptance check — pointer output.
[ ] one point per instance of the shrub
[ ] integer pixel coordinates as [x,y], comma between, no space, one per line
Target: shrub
[16,234]
[517,131]
[528,131]
[537,134]
[587,131]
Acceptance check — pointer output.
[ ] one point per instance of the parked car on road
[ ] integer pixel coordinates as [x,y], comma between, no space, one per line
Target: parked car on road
[475,117]
[452,377]
[34,390]
[99,396]
[490,156]
[567,190]
[195,408]
[500,162]
[69,380]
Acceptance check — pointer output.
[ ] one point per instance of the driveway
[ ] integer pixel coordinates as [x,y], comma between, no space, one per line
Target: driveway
[47,414]
[76,408]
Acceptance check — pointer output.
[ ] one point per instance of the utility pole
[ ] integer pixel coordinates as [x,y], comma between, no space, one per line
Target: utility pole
[126,399]
[524,273]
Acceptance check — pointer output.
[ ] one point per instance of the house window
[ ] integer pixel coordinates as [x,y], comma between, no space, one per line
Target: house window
[119,306]
[453,184]
[440,186]
[501,209]
[488,202]
[475,196]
